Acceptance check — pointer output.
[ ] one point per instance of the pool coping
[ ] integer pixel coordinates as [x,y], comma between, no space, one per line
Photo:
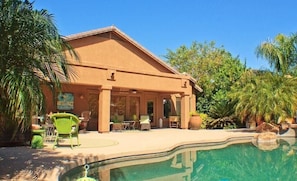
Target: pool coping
[134,143]
[159,156]
[221,138]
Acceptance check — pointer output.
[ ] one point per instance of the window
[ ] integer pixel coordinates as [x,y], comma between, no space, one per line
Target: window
[118,105]
[134,107]
[166,107]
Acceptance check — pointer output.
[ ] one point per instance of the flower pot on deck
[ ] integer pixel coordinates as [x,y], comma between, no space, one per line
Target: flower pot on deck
[195,122]
[117,126]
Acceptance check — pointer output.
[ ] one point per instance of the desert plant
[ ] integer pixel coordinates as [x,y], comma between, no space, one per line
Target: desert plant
[222,123]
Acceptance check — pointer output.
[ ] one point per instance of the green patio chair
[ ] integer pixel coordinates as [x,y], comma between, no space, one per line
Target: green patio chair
[67,126]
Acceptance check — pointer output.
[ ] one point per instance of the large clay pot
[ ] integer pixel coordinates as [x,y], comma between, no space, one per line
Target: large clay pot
[195,122]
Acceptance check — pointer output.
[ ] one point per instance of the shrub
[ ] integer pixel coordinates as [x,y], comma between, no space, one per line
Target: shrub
[37,142]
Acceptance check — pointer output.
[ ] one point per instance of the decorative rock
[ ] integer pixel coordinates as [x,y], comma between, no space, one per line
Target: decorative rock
[267,127]
[266,141]
[267,137]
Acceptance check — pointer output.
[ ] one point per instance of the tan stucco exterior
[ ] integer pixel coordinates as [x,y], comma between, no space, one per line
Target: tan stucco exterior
[113,65]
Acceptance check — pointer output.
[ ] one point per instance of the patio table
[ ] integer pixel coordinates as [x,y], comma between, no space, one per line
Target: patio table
[129,124]
[125,125]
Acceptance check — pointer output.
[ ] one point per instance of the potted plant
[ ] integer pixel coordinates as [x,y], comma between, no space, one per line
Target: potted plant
[117,125]
[195,120]
[134,117]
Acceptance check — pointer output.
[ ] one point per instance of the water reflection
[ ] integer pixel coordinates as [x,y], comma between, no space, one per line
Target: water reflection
[177,166]
[221,162]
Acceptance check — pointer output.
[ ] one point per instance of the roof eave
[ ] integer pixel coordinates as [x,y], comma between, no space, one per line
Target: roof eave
[130,40]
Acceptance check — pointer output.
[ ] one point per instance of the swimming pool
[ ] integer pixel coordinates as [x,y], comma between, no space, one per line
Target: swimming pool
[233,160]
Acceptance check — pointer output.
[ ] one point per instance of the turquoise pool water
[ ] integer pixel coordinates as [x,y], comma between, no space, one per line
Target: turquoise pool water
[223,162]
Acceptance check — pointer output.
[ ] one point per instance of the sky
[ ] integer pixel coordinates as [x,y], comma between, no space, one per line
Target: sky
[161,25]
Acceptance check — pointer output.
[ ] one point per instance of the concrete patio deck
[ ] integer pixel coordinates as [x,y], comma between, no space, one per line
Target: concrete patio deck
[24,163]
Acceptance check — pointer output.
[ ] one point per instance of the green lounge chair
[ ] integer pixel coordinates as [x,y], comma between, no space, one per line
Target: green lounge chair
[67,126]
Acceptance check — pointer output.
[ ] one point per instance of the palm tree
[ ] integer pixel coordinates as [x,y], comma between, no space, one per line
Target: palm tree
[265,97]
[32,54]
[281,53]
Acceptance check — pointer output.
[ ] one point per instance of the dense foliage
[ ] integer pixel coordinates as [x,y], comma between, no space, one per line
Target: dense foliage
[31,54]
[215,71]
[264,96]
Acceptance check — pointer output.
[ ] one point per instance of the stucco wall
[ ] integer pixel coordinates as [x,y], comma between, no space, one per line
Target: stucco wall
[113,53]
[110,62]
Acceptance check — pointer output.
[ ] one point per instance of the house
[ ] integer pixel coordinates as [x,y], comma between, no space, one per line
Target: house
[117,76]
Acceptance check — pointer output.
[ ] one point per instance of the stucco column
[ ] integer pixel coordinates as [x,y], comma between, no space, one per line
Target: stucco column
[104,109]
[185,111]
[193,102]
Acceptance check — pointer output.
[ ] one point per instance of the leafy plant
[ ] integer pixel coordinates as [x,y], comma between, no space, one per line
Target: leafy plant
[205,119]
[264,97]
[223,106]
[37,142]
[213,67]
[222,123]
[32,55]
[115,119]
[194,113]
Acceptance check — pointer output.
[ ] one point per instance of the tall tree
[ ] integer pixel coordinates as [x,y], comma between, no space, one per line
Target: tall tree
[32,53]
[281,53]
[214,69]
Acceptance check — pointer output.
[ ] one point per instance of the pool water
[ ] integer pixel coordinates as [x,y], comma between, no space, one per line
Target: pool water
[235,162]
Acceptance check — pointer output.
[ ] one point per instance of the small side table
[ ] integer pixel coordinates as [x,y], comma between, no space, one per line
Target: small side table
[39,132]
[130,124]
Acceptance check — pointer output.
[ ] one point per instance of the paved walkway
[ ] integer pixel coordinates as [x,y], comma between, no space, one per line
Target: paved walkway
[24,163]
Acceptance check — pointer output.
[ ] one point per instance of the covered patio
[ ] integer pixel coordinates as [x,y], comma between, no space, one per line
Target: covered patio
[116,76]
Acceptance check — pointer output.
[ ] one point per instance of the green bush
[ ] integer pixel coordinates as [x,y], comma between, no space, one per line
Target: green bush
[205,120]
[37,142]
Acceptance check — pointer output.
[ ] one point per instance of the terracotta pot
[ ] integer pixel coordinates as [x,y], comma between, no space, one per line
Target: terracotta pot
[259,120]
[117,126]
[195,122]
[251,124]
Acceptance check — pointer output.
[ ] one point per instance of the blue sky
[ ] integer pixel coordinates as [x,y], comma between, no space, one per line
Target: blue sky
[158,25]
